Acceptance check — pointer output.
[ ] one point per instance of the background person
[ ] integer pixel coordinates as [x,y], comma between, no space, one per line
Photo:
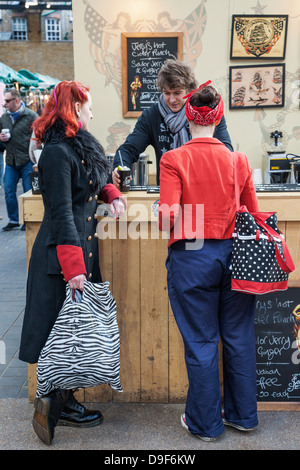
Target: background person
[164,125]
[2,148]
[18,119]
[73,172]
[199,280]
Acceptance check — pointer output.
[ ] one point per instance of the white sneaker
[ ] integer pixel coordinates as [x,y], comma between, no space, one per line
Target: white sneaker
[185,426]
[236,426]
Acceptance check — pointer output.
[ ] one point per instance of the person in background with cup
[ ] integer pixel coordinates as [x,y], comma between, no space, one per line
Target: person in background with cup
[200,174]
[164,125]
[15,125]
[2,148]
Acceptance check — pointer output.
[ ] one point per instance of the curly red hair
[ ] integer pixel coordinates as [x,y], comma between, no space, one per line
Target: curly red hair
[61,105]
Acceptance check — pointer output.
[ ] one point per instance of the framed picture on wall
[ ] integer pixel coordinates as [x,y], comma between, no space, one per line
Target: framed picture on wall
[256,86]
[258,37]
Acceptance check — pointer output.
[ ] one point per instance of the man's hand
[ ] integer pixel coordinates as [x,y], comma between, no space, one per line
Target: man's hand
[116,178]
[3,137]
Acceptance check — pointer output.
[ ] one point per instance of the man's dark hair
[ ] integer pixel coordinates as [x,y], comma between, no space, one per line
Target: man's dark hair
[175,74]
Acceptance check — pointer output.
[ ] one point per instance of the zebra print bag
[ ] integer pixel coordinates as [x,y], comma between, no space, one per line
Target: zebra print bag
[83,347]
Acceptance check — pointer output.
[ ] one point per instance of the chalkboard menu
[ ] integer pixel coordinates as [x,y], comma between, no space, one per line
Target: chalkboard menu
[277,326]
[143,54]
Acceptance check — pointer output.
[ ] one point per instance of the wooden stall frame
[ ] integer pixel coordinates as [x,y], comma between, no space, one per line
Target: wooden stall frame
[124,39]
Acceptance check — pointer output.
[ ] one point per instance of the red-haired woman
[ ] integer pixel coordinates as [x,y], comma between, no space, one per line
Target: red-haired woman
[73,173]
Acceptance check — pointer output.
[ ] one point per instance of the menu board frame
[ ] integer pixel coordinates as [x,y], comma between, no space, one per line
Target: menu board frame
[125,64]
[278,353]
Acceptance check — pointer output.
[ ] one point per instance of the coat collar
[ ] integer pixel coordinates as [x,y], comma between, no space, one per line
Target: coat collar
[87,147]
[205,140]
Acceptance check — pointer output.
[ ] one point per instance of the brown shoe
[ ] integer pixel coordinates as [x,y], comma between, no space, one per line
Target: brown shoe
[46,414]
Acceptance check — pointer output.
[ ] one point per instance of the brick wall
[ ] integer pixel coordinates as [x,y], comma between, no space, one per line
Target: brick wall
[45,57]
[48,58]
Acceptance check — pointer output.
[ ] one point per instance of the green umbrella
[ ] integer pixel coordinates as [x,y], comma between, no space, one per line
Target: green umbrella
[47,80]
[29,75]
[9,76]
[44,80]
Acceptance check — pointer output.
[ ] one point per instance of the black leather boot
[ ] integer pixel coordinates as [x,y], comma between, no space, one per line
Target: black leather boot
[75,414]
[47,412]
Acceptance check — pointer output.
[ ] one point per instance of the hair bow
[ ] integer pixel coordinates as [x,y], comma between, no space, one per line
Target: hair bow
[197,89]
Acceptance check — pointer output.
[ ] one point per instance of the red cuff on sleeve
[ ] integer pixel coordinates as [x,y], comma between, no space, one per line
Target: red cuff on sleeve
[71,260]
[110,192]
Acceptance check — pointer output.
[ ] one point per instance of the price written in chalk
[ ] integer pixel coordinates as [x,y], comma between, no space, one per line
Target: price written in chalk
[277,354]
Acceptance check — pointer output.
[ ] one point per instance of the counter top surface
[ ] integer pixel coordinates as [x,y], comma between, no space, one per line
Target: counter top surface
[136,195]
[140,204]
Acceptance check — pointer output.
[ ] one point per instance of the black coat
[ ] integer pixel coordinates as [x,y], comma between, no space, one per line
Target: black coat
[70,192]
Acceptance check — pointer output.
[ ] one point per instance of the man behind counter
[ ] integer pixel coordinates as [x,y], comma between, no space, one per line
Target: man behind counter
[164,125]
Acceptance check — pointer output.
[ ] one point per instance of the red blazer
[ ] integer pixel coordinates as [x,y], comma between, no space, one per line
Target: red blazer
[197,198]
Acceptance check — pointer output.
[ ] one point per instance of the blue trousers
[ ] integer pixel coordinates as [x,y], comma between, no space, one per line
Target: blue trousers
[205,309]
[1,168]
[11,179]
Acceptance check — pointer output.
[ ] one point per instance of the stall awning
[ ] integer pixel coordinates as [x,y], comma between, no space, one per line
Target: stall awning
[44,81]
[9,76]
[48,80]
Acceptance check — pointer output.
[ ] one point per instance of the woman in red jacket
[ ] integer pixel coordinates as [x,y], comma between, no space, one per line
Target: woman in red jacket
[197,205]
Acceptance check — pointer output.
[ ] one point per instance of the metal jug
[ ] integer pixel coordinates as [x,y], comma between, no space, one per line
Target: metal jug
[110,157]
[140,171]
[294,161]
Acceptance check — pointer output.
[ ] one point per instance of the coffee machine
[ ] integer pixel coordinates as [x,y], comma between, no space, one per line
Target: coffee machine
[276,166]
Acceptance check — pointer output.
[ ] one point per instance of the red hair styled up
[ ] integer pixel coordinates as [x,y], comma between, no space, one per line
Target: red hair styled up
[61,105]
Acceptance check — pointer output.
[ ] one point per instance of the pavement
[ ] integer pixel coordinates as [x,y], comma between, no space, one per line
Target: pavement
[149,432]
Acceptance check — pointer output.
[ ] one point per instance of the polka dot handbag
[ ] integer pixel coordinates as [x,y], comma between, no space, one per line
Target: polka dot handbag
[261,261]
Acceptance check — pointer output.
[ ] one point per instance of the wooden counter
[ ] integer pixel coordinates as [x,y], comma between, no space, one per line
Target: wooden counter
[133,261]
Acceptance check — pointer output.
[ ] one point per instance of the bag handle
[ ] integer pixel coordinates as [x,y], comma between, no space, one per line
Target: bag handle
[286,263]
[236,183]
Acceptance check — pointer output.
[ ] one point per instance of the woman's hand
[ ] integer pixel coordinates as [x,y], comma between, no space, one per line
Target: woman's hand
[77,282]
[117,207]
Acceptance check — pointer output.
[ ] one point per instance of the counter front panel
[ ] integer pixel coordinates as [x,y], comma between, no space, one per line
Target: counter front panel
[132,258]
